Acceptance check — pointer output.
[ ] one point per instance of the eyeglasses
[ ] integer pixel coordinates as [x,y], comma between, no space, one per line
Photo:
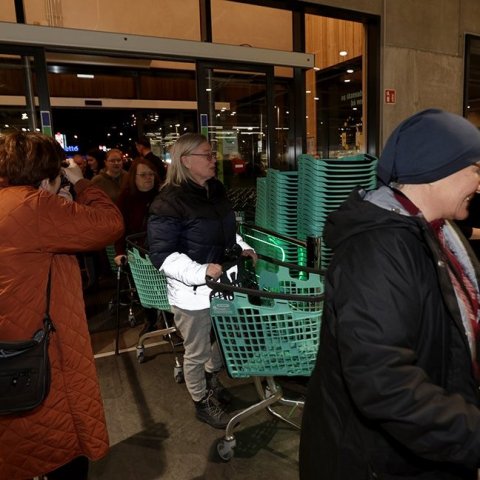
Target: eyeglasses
[208,156]
[144,175]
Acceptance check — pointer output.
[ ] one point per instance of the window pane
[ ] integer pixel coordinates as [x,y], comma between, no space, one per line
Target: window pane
[334,90]
[472,95]
[165,18]
[260,27]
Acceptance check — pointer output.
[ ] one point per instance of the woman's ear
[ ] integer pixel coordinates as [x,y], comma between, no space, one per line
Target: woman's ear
[185,161]
[51,186]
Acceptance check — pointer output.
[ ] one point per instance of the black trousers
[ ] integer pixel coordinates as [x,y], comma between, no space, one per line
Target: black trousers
[77,469]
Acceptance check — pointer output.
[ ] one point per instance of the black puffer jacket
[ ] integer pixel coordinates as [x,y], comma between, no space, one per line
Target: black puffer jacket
[190,219]
[190,227]
[393,394]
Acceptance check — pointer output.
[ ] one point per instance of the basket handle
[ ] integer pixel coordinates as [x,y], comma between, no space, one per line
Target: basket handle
[225,287]
[132,241]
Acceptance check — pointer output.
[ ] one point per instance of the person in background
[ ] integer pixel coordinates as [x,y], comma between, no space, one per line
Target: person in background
[141,187]
[191,231]
[144,149]
[40,232]
[111,178]
[395,390]
[95,162]
[81,161]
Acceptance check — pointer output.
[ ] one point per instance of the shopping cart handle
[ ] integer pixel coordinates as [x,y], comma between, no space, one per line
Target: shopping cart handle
[136,240]
[225,287]
[291,266]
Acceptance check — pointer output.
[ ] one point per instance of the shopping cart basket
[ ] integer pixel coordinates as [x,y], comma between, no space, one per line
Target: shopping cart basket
[151,286]
[266,332]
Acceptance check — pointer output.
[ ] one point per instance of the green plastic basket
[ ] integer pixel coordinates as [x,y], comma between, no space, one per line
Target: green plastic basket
[280,279]
[110,250]
[265,340]
[273,330]
[150,283]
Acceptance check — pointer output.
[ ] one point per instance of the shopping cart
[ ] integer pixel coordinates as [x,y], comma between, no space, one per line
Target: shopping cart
[125,295]
[151,286]
[269,331]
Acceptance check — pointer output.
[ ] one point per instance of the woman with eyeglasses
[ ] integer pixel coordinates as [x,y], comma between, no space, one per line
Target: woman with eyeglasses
[140,188]
[190,230]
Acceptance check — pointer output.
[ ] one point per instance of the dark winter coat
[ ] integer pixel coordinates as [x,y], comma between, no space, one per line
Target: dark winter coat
[393,394]
[134,207]
[193,220]
[189,227]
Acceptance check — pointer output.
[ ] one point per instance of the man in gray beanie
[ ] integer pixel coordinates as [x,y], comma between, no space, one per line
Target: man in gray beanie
[395,391]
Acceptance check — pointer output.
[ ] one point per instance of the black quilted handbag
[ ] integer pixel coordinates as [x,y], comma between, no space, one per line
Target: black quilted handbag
[25,369]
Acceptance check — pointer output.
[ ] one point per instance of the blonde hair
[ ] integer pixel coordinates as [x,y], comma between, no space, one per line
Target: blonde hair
[177,173]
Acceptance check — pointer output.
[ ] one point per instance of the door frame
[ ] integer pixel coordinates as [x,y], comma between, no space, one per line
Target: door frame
[41,80]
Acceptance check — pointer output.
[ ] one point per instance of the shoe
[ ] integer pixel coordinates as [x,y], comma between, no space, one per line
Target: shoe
[219,391]
[209,411]
[147,328]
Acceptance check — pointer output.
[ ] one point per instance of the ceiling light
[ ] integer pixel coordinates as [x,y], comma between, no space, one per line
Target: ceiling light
[343,53]
[316,68]
[208,89]
[347,80]
[85,75]
[350,70]
[308,91]
[316,99]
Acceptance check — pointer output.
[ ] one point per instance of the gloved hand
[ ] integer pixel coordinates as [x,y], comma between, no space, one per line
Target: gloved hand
[72,172]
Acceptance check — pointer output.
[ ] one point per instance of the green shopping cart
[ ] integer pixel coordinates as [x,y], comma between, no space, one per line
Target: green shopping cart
[151,287]
[269,331]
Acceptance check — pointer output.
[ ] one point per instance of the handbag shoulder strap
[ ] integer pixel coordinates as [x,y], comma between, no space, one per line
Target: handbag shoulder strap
[47,321]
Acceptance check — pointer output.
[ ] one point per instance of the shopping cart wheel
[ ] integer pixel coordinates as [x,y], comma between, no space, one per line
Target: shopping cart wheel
[178,374]
[225,449]
[140,354]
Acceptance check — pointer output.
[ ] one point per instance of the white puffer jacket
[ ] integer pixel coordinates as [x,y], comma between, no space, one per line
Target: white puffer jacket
[186,280]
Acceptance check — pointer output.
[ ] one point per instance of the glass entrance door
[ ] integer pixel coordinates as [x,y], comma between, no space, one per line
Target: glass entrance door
[236,107]
[24,100]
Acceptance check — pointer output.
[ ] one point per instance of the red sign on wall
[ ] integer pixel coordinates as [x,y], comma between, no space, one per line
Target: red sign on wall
[390,95]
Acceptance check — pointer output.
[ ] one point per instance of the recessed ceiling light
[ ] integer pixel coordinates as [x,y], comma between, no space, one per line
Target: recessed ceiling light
[347,80]
[350,70]
[343,53]
[316,68]
[85,75]
[308,91]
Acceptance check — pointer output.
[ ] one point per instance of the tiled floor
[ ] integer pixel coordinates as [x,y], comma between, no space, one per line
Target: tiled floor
[151,423]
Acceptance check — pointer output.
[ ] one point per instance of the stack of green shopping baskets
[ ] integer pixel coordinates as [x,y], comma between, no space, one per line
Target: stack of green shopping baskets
[277,196]
[261,206]
[324,186]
